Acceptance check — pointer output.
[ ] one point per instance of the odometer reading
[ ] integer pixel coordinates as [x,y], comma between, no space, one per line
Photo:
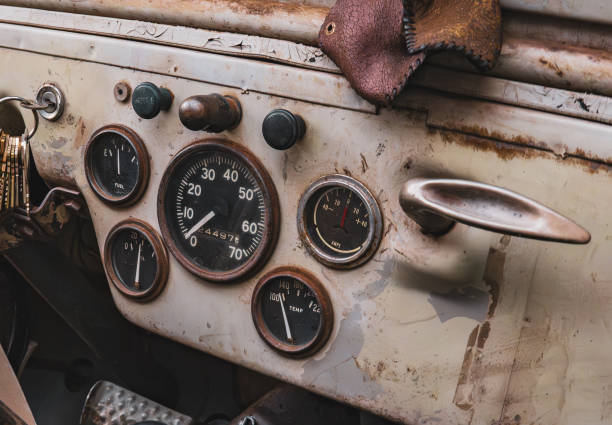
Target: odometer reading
[220,210]
[292,311]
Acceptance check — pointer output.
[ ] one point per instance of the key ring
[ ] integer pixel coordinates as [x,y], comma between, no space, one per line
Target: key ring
[27,104]
[34,106]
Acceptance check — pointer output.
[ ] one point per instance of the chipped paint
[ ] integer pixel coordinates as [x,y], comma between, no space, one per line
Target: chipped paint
[396,349]
[469,302]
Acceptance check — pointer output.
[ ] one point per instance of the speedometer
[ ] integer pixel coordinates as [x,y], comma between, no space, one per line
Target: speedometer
[218,210]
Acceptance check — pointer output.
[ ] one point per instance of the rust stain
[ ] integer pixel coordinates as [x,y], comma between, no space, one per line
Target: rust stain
[519,147]
[470,369]
[493,276]
[553,66]
[485,330]
[364,164]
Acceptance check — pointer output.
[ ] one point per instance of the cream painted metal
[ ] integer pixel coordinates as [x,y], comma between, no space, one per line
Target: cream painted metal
[429,329]
[297,20]
[580,63]
[201,66]
[331,89]
[11,393]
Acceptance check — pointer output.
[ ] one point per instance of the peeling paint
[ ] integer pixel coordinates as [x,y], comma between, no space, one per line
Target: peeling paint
[467,302]
[338,367]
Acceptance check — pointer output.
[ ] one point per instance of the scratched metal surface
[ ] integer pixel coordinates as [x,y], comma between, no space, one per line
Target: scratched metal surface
[561,59]
[468,328]
[297,20]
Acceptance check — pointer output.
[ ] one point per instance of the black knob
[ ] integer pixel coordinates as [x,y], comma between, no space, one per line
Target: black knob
[148,100]
[282,128]
[213,113]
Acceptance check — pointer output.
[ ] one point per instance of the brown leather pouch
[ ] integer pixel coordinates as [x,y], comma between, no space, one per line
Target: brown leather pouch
[378,44]
[471,27]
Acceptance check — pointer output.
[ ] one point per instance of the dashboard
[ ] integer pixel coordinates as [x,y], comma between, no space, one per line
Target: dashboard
[267,229]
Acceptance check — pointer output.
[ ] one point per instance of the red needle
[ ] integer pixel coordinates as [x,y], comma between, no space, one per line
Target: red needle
[343,217]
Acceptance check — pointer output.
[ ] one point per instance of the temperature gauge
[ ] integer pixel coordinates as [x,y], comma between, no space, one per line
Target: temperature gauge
[292,311]
[116,164]
[136,260]
[340,221]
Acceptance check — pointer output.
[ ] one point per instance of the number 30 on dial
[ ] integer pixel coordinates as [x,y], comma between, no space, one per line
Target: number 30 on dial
[218,209]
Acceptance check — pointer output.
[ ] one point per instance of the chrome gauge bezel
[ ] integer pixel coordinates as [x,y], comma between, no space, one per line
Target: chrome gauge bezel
[374,215]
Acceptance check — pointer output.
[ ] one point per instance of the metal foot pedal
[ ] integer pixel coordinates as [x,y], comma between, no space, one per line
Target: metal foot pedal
[110,404]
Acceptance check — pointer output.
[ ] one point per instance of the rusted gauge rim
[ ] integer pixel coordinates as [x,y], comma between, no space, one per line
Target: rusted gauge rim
[327,314]
[161,273]
[375,222]
[272,210]
[143,165]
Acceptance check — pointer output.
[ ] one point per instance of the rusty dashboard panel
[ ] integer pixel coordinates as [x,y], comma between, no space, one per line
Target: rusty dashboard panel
[470,327]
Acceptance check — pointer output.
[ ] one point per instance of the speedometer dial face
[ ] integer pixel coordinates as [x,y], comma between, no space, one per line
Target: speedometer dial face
[218,209]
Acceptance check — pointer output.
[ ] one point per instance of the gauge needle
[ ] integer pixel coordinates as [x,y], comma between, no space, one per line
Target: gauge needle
[344,216]
[199,224]
[118,163]
[137,278]
[282,303]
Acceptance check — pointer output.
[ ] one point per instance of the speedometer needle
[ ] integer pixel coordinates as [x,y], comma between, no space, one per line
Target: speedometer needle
[137,278]
[282,303]
[199,224]
[118,163]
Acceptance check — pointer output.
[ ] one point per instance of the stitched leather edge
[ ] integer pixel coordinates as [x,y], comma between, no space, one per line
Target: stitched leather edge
[408,21]
[389,98]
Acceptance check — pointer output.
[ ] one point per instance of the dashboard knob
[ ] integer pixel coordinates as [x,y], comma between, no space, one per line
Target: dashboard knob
[148,100]
[282,128]
[213,113]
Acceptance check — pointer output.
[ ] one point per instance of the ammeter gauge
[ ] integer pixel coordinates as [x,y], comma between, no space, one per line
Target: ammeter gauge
[340,221]
[117,164]
[218,210]
[135,259]
[292,311]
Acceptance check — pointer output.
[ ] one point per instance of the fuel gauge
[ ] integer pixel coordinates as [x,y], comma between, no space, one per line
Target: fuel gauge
[117,164]
[136,260]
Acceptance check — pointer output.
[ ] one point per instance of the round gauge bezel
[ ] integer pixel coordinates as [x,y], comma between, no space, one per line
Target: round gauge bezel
[143,165]
[327,314]
[272,210]
[161,274]
[375,227]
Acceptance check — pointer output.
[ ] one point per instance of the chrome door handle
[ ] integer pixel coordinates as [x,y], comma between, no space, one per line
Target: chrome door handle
[436,204]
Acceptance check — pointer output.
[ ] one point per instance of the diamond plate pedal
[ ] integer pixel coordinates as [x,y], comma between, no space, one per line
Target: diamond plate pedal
[110,404]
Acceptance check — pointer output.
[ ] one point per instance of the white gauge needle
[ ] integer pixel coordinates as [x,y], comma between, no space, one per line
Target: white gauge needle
[137,278]
[118,163]
[199,224]
[282,303]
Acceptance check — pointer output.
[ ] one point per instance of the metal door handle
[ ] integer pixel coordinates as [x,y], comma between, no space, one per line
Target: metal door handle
[436,204]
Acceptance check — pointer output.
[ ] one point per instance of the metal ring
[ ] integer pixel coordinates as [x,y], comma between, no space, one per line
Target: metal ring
[29,104]
[22,103]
